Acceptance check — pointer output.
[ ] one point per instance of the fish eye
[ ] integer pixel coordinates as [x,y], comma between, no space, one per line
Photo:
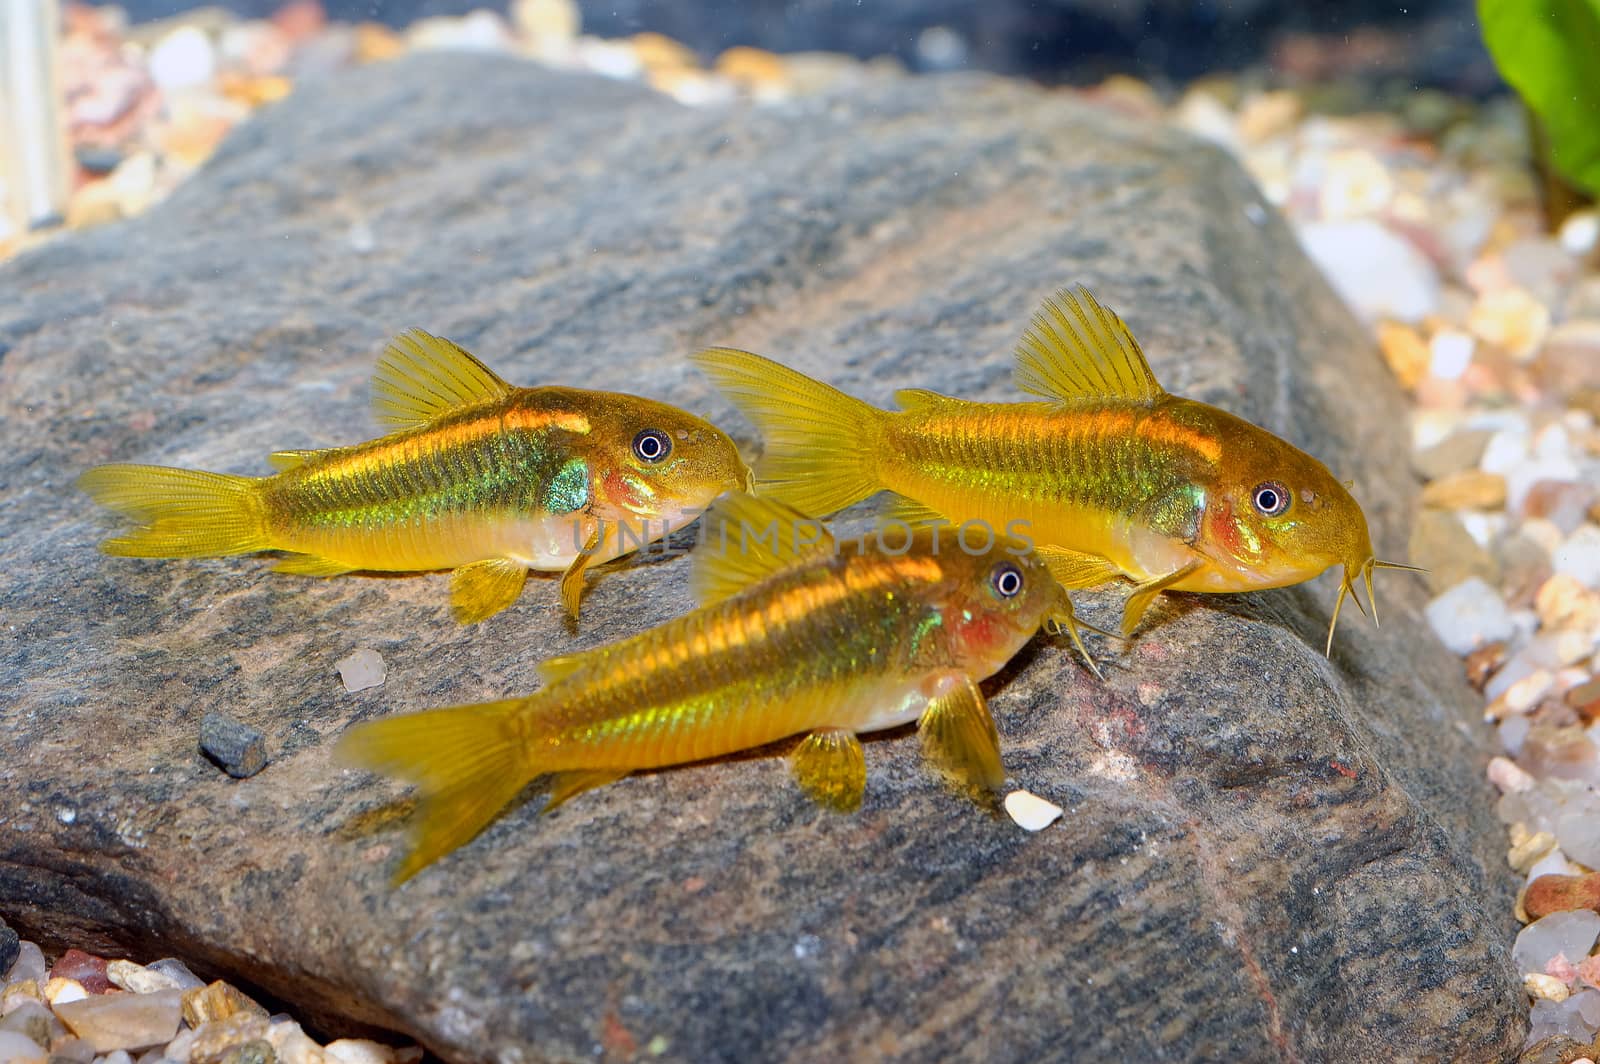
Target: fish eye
[1006,580]
[1271,498]
[652,445]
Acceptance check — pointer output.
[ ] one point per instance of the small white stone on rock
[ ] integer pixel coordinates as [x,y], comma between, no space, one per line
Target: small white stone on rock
[361,670]
[1469,615]
[1570,934]
[178,972]
[358,1051]
[1031,812]
[59,991]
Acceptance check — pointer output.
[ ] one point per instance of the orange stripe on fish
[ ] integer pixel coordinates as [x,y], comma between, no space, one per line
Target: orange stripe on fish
[1115,477]
[811,640]
[478,477]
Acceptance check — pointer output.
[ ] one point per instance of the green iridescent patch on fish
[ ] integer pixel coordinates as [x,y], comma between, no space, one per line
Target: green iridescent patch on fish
[568,490]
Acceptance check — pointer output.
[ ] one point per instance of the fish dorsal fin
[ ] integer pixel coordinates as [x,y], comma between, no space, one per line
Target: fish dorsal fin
[921,400]
[421,376]
[1074,348]
[746,540]
[281,460]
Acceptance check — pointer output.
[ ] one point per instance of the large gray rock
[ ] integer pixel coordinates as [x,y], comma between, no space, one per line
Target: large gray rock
[1266,854]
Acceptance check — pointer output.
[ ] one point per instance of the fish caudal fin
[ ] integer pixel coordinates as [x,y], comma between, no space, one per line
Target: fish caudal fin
[821,443]
[469,762]
[183,513]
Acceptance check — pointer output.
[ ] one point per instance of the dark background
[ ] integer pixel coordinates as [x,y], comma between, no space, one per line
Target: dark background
[1423,42]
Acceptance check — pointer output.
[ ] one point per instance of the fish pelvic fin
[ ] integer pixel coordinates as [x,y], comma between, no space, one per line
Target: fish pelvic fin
[1074,348]
[821,444]
[480,590]
[422,376]
[960,739]
[831,768]
[747,539]
[182,513]
[468,761]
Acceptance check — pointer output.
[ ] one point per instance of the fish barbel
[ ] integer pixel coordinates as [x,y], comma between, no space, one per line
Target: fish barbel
[795,635]
[479,477]
[1111,475]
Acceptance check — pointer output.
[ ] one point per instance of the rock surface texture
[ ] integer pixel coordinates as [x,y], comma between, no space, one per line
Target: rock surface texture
[1266,855]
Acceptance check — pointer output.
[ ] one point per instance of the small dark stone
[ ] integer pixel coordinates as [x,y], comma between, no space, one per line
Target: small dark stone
[238,749]
[97,160]
[9,948]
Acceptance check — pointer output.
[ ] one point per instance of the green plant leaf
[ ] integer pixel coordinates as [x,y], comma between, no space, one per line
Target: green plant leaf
[1548,51]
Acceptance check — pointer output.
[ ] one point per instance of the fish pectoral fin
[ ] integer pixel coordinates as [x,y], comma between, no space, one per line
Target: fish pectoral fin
[1074,348]
[572,579]
[311,565]
[746,540]
[566,785]
[421,376]
[482,589]
[959,736]
[1145,593]
[909,511]
[1075,569]
[281,460]
[831,769]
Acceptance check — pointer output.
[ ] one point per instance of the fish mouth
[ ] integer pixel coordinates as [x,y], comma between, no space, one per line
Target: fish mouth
[1361,570]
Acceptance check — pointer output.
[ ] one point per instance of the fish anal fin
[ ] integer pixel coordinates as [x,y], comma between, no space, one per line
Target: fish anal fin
[746,540]
[482,589]
[831,768]
[281,460]
[567,785]
[909,511]
[1074,348]
[1146,592]
[422,376]
[1076,569]
[311,565]
[959,736]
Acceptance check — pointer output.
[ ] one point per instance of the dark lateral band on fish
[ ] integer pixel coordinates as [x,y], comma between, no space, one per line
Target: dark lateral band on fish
[479,477]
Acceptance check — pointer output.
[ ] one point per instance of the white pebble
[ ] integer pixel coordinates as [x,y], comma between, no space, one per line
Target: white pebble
[1547,987]
[1508,776]
[59,991]
[1579,556]
[1031,812]
[1469,615]
[361,670]
[182,59]
[1450,353]
[1570,934]
[1526,692]
[1377,272]
[1506,451]
[1580,232]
